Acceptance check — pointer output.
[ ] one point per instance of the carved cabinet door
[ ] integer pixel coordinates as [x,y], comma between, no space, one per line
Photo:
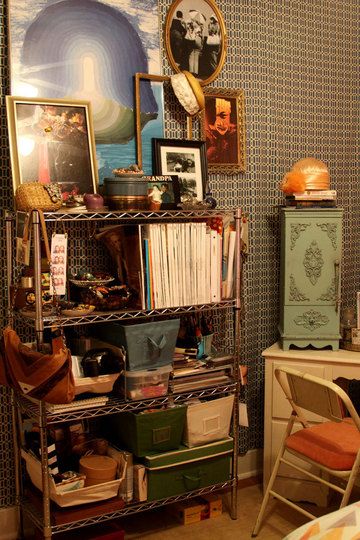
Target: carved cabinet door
[310,275]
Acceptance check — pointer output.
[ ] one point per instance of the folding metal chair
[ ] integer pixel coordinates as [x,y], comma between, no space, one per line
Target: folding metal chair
[332,446]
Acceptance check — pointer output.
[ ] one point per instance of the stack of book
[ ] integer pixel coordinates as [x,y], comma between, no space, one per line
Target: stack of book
[312,198]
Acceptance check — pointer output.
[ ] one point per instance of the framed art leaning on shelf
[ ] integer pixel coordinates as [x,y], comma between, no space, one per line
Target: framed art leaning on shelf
[187,160]
[52,140]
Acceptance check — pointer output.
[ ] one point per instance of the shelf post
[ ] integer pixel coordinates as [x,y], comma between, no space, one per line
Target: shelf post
[39,323]
[237,347]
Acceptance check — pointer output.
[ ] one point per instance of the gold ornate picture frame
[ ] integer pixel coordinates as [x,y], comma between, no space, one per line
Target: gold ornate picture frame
[52,140]
[223,130]
[195,38]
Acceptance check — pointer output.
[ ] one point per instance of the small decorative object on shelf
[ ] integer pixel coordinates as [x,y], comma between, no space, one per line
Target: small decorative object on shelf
[209,199]
[93,201]
[89,279]
[127,190]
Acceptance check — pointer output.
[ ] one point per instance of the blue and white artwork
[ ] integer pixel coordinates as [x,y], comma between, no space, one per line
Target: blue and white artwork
[90,49]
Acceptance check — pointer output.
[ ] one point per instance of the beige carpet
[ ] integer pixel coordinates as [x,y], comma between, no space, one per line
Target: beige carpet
[159,525]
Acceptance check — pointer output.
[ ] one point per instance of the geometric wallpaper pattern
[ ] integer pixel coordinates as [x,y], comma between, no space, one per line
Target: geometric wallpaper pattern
[298,65]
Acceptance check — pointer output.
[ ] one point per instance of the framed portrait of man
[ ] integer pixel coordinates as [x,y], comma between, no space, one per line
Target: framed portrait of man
[223,129]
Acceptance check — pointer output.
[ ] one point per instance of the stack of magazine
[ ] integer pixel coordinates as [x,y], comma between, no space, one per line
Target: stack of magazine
[174,264]
[312,198]
[213,371]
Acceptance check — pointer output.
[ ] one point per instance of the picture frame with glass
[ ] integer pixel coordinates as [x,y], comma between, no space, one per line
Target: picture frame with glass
[185,159]
[52,141]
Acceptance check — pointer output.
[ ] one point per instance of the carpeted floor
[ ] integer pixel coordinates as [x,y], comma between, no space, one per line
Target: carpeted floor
[160,525]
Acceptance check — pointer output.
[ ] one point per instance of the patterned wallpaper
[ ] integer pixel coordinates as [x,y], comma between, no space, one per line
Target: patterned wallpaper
[297,62]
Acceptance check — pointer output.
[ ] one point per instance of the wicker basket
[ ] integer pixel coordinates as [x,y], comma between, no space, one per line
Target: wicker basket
[36,196]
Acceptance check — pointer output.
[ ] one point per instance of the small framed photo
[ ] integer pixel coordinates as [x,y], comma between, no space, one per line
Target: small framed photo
[186,160]
[163,192]
[52,140]
[223,129]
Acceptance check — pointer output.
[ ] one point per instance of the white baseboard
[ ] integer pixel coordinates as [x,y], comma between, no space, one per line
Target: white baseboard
[250,464]
[9,522]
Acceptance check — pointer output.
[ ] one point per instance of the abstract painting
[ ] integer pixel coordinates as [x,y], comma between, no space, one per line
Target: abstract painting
[90,50]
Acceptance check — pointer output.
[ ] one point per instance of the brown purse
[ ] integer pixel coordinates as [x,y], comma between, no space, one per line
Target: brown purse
[36,196]
[42,376]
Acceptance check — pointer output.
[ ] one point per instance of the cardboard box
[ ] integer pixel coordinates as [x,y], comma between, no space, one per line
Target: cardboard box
[140,482]
[197,509]
[214,503]
[187,512]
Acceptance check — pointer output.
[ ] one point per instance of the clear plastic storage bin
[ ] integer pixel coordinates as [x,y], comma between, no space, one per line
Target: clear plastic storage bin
[147,383]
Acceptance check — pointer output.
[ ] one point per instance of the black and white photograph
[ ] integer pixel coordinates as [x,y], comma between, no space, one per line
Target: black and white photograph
[187,160]
[180,162]
[195,38]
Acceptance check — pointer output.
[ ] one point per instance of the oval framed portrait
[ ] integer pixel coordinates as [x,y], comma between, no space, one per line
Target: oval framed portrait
[195,38]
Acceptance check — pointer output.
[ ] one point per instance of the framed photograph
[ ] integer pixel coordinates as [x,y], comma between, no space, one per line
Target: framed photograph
[195,38]
[163,192]
[52,140]
[223,129]
[185,159]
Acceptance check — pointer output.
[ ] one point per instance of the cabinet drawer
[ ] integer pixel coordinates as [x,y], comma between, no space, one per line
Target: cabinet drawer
[280,405]
[313,320]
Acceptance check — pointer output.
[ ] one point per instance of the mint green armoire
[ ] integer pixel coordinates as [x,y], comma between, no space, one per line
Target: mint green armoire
[310,277]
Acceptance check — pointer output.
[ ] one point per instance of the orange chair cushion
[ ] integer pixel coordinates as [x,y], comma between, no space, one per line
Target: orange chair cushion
[332,444]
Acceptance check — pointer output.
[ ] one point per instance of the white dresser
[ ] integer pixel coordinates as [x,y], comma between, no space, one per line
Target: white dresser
[323,363]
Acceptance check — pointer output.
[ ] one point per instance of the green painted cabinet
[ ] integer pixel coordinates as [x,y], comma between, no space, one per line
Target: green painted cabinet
[310,277]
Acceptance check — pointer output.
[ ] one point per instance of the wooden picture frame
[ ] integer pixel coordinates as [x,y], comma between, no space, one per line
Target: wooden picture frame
[52,140]
[163,192]
[223,129]
[186,160]
[195,38]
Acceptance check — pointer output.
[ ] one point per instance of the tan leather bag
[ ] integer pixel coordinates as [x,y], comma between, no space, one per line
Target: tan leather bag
[42,376]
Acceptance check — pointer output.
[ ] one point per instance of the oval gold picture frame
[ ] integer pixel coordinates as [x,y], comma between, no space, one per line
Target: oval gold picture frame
[195,38]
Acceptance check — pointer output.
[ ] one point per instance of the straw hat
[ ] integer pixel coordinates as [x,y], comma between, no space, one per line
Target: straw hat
[188,91]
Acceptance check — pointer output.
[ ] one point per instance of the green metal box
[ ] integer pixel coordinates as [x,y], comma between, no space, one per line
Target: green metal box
[188,469]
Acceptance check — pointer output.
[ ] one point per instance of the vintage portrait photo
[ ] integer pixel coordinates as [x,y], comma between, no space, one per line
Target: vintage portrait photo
[186,159]
[222,128]
[163,192]
[52,141]
[196,38]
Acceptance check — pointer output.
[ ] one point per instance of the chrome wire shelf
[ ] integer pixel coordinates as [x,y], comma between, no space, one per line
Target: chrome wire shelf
[106,316]
[117,405]
[147,215]
[129,509]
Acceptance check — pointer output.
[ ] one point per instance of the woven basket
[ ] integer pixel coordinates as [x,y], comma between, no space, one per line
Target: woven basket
[33,195]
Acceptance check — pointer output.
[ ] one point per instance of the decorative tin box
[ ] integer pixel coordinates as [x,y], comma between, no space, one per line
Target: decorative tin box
[128,192]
